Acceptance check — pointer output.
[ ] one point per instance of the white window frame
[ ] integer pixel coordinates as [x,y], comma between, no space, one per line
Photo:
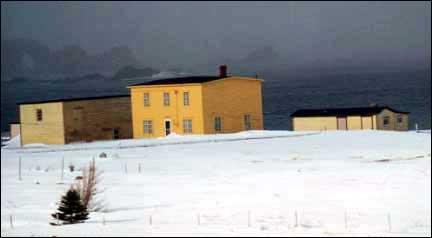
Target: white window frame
[146,98]
[186,101]
[218,124]
[247,120]
[187,126]
[148,127]
[166,98]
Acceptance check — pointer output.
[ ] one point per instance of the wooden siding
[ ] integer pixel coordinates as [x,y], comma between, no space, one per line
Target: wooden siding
[393,124]
[314,123]
[367,122]
[231,99]
[50,130]
[89,120]
[157,112]
[372,122]
[354,122]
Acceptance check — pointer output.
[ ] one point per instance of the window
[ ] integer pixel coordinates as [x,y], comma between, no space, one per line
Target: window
[386,121]
[247,122]
[186,98]
[146,99]
[148,127]
[38,114]
[77,113]
[399,119]
[116,133]
[166,99]
[218,124]
[187,126]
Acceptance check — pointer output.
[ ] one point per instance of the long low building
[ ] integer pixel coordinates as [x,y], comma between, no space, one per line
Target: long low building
[63,121]
[361,118]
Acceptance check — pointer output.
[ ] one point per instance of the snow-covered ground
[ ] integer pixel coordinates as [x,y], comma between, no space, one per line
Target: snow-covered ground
[288,184]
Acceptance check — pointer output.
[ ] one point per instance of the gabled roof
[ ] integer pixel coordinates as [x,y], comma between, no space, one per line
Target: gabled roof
[73,99]
[181,80]
[354,111]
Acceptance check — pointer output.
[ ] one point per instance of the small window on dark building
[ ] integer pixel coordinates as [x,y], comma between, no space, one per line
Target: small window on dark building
[116,133]
[38,114]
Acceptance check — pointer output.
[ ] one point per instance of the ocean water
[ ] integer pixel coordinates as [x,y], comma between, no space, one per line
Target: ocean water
[283,93]
[409,92]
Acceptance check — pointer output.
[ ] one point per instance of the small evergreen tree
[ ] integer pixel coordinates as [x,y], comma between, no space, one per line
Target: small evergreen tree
[71,209]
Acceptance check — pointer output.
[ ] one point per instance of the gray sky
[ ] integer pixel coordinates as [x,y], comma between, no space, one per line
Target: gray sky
[193,32]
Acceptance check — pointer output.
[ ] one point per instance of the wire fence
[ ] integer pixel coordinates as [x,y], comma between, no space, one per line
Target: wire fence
[298,221]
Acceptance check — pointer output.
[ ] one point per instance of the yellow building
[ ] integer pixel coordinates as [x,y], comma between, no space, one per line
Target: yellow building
[196,105]
[373,118]
[80,119]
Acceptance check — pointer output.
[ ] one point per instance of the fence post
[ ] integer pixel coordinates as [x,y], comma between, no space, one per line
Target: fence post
[150,220]
[11,221]
[249,218]
[389,221]
[62,169]
[346,220]
[296,218]
[103,220]
[199,219]
[19,168]
[139,168]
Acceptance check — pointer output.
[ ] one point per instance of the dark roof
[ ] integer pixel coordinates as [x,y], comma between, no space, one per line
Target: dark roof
[181,80]
[74,99]
[361,111]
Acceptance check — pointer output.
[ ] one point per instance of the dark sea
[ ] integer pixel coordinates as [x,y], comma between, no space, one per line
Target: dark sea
[283,93]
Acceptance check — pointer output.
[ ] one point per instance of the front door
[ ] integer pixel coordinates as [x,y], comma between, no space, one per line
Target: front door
[167,127]
[342,123]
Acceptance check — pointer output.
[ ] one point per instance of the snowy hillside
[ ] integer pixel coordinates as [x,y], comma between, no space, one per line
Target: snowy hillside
[246,184]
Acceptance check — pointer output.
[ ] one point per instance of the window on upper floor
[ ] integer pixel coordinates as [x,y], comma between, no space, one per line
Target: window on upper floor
[186,98]
[39,115]
[146,99]
[166,99]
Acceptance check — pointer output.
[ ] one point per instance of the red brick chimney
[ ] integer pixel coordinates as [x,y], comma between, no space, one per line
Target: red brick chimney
[223,71]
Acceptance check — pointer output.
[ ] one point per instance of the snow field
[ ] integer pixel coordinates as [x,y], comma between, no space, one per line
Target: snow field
[355,183]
